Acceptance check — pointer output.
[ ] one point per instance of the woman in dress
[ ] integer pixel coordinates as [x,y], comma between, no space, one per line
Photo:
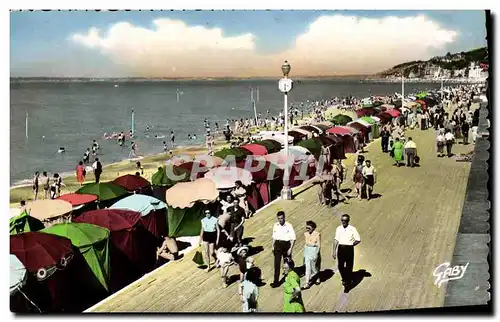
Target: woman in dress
[311,252]
[209,236]
[397,149]
[292,297]
[80,173]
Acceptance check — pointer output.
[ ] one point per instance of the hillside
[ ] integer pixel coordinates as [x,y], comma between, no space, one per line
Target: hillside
[450,62]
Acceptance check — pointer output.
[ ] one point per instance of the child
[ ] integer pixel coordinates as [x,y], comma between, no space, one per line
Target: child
[224,261]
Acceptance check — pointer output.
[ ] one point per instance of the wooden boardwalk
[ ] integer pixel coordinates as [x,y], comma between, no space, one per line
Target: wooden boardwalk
[405,233]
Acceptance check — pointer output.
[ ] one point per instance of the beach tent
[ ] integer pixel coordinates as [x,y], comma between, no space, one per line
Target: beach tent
[363,127]
[196,169]
[347,140]
[365,112]
[209,161]
[24,223]
[323,126]
[375,131]
[297,161]
[132,251]
[103,190]
[186,203]
[255,149]
[280,138]
[153,212]
[131,182]
[307,134]
[297,136]
[166,177]
[342,119]
[56,281]
[313,146]
[232,154]
[50,211]
[338,130]
[336,146]
[225,177]
[267,180]
[92,242]
[271,145]
[311,129]
[18,274]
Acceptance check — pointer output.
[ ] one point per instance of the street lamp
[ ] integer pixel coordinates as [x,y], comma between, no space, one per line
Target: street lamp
[285,85]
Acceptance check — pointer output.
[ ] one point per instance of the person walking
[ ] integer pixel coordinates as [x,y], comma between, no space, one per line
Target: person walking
[411,152]
[385,140]
[397,152]
[209,236]
[440,143]
[449,139]
[465,132]
[369,178]
[97,166]
[357,177]
[346,237]
[45,181]
[236,221]
[36,185]
[311,252]
[292,298]
[80,173]
[249,291]
[283,240]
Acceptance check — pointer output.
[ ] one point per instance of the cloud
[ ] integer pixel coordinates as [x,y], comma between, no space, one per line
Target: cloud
[332,45]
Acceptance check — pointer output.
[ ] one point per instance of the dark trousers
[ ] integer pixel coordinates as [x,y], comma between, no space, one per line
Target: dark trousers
[465,136]
[97,176]
[345,258]
[410,157]
[237,234]
[385,144]
[449,144]
[280,252]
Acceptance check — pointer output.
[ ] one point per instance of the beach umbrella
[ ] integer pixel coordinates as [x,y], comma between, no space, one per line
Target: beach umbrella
[169,175]
[18,275]
[368,119]
[281,138]
[307,134]
[131,182]
[103,190]
[38,251]
[196,169]
[255,149]
[393,113]
[271,145]
[93,243]
[342,119]
[339,131]
[236,153]
[152,210]
[132,251]
[225,177]
[48,209]
[78,199]
[323,126]
[24,223]
[309,128]
[297,136]
[209,161]
[313,146]
[186,202]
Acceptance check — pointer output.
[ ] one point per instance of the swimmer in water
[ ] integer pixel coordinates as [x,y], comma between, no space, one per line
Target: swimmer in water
[165,147]
[147,128]
[189,136]
[194,137]
[61,150]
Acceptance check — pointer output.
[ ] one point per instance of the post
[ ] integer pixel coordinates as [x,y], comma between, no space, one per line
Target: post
[442,93]
[258,99]
[26,125]
[177,91]
[251,94]
[402,90]
[255,112]
[286,193]
[132,127]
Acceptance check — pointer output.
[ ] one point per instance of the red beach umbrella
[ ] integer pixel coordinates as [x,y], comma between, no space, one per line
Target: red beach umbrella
[131,182]
[256,149]
[339,131]
[77,199]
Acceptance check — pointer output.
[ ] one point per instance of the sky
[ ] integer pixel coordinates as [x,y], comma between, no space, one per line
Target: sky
[233,43]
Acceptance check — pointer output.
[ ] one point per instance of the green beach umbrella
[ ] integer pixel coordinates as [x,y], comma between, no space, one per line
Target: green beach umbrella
[368,119]
[341,119]
[24,223]
[271,145]
[313,146]
[238,153]
[93,243]
[103,190]
[169,175]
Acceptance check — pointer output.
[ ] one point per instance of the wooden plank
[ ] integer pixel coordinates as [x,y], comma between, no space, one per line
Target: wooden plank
[405,234]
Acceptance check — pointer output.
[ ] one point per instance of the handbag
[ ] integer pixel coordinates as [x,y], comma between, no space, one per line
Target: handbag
[198,258]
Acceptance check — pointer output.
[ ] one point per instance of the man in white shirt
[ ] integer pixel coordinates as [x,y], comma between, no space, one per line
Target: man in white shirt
[449,139]
[411,152]
[369,178]
[283,240]
[346,237]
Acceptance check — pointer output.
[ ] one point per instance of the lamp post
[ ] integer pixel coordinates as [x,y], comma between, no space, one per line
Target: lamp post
[285,85]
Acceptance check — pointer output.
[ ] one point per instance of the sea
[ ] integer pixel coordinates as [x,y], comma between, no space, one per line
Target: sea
[71,114]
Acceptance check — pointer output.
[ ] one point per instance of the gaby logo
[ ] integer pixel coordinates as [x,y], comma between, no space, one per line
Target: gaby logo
[445,272]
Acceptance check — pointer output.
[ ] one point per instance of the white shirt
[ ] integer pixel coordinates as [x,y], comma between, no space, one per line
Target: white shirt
[94,165]
[449,136]
[410,145]
[347,236]
[283,233]
[368,171]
